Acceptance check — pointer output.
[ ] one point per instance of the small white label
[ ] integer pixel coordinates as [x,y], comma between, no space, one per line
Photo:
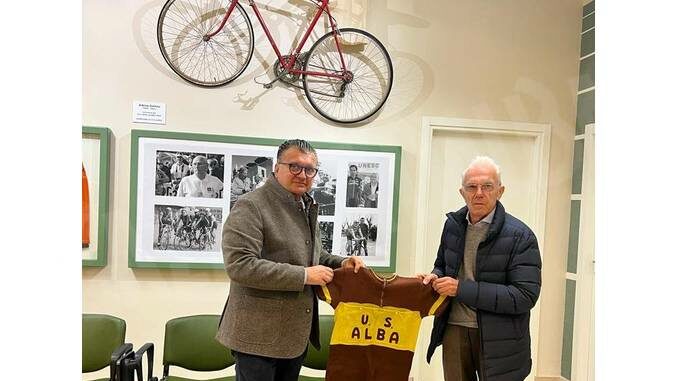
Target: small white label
[148,112]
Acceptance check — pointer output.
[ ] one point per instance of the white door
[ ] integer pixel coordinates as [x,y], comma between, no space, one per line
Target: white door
[447,146]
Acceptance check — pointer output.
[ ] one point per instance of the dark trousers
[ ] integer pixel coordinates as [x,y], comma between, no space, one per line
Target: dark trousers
[259,368]
[461,354]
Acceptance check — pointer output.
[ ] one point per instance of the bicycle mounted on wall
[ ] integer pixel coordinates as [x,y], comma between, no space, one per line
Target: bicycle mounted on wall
[346,75]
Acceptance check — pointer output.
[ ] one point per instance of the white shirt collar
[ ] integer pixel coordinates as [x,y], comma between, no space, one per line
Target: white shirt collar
[488,219]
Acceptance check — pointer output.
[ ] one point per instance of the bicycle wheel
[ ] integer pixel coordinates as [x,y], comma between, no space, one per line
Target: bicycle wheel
[366,84]
[208,62]
[185,241]
[176,241]
[202,241]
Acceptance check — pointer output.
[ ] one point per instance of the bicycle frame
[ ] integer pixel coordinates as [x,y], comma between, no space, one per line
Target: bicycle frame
[288,65]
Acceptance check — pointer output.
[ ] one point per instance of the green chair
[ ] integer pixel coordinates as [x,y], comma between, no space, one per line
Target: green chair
[102,344]
[190,344]
[317,359]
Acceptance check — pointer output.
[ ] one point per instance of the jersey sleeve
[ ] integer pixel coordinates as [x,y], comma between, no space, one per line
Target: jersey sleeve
[434,303]
[331,292]
[430,303]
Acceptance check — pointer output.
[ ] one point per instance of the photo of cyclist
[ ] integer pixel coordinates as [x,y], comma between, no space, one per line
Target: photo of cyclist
[175,167]
[186,228]
[362,185]
[354,188]
[166,220]
[358,235]
[183,222]
[204,223]
[247,174]
[355,241]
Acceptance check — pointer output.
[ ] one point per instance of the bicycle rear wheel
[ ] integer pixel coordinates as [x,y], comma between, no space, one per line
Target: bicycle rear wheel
[181,31]
[367,84]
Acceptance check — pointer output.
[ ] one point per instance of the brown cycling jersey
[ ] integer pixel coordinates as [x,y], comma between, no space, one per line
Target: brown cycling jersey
[376,324]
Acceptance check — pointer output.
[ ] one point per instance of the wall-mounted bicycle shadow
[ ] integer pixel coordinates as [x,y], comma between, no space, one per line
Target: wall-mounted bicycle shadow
[413,76]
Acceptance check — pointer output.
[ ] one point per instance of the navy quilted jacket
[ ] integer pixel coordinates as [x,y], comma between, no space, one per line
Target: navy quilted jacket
[508,280]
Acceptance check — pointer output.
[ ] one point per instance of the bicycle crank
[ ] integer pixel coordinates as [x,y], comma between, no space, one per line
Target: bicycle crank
[284,74]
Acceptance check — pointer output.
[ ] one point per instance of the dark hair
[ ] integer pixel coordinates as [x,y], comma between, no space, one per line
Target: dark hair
[300,144]
[353,166]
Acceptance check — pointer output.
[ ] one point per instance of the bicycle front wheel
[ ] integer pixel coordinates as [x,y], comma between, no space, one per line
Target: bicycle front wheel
[183,26]
[365,84]
[185,241]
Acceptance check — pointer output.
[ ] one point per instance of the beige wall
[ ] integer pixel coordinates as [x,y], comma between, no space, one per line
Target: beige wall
[503,60]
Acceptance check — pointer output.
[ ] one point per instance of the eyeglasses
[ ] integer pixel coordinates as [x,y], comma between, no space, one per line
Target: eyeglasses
[295,169]
[473,188]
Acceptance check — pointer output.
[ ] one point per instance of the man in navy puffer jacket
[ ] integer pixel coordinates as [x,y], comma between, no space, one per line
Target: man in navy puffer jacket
[489,263]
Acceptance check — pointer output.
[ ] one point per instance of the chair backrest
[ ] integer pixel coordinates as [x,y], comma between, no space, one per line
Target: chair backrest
[317,359]
[190,344]
[101,335]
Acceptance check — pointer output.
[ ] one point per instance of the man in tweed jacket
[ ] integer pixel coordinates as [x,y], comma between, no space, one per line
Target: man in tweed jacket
[273,255]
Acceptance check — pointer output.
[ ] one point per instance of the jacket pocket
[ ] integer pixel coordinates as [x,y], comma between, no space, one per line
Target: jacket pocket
[259,320]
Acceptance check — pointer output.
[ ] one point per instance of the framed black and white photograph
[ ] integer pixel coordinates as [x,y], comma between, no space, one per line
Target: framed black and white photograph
[362,185]
[96,143]
[177,223]
[248,173]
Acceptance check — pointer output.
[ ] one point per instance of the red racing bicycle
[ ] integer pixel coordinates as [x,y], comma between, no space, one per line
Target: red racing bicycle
[346,75]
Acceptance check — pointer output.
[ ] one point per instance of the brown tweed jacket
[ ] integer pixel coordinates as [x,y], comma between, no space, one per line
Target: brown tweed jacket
[267,241]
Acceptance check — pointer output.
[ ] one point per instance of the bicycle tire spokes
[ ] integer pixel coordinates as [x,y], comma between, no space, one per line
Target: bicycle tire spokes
[182,29]
[364,85]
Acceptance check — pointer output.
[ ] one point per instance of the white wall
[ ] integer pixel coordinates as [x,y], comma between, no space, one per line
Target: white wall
[513,60]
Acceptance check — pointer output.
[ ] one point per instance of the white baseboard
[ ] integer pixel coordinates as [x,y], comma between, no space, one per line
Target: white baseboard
[550,378]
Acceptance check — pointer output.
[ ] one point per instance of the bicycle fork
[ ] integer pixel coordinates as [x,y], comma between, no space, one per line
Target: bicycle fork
[208,36]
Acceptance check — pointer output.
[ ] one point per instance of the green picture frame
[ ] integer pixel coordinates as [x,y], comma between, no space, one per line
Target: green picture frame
[146,203]
[101,215]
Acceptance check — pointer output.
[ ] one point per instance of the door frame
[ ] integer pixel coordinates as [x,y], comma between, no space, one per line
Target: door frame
[542,139]
[583,347]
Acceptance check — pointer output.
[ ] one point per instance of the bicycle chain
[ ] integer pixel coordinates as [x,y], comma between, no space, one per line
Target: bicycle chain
[283,75]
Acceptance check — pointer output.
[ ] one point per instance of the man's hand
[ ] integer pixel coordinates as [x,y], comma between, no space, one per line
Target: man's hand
[319,275]
[446,286]
[427,278]
[352,262]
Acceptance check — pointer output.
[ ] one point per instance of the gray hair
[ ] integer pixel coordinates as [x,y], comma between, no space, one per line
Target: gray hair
[300,144]
[482,161]
[200,158]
